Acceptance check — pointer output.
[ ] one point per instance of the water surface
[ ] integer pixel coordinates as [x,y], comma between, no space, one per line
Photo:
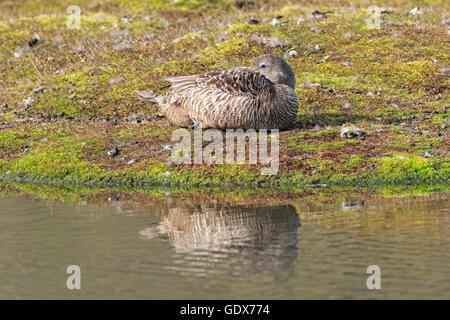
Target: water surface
[173,249]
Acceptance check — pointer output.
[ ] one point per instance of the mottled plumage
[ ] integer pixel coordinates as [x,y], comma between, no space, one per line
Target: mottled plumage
[260,97]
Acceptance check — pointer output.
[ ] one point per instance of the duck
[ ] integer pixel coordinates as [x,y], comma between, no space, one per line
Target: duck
[261,96]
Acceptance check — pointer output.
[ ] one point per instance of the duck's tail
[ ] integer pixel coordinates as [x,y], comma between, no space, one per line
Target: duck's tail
[148,96]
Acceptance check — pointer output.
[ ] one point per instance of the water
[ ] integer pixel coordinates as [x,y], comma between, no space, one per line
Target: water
[303,248]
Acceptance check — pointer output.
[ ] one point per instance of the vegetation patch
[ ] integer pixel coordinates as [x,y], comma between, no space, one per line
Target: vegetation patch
[67,96]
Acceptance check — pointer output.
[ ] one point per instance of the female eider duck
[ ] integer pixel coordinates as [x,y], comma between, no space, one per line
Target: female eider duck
[261,96]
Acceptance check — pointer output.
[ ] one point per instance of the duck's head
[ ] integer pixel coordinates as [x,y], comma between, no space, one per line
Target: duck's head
[275,69]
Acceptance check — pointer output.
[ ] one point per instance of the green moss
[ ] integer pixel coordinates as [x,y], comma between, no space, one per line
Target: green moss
[172,67]
[243,27]
[307,146]
[290,11]
[235,46]
[401,165]
[415,73]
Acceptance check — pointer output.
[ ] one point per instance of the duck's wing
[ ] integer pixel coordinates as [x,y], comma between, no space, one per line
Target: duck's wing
[236,81]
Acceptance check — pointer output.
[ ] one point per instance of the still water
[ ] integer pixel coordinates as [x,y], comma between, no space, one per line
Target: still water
[302,248]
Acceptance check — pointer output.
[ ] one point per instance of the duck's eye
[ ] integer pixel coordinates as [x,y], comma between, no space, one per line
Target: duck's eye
[262,66]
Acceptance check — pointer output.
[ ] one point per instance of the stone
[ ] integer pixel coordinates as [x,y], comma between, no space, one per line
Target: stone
[123,46]
[274,22]
[351,132]
[416,11]
[28,101]
[113,152]
[116,80]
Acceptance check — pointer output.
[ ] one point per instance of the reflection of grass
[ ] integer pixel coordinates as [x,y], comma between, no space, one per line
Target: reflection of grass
[385,81]
[77,193]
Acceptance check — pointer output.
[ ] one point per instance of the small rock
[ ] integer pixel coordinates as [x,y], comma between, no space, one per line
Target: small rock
[427,155]
[133,118]
[122,33]
[315,29]
[113,152]
[38,90]
[347,105]
[19,52]
[416,11]
[445,71]
[274,22]
[28,101]
[370,94]
[318,15]
[33,42]
[123,46]
[273,42]
[347,35]
[356,91]
[386,11]
[351,132]
[291,54]
[317,48]
[116,80]
[325,59]
[131,161]
[347,64]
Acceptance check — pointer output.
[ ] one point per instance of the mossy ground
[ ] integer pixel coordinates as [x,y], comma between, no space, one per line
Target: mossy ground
[389,82]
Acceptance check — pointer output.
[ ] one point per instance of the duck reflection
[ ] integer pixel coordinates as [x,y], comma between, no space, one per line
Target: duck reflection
[228,239]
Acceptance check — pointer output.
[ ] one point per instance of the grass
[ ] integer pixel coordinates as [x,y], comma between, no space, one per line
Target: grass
[388,82]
